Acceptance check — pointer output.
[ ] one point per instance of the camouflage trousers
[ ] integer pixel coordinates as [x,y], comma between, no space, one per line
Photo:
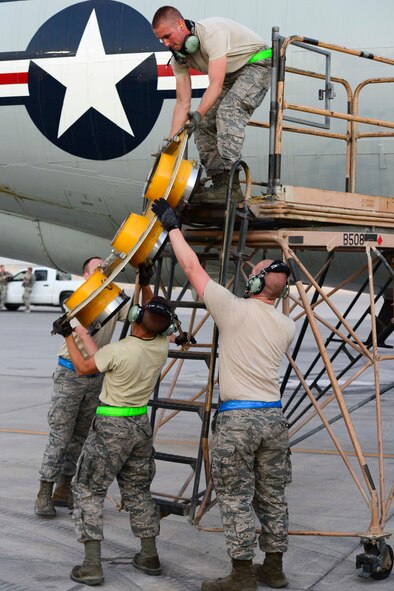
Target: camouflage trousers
[251,466]
[220,136]
[3,294]
[73,406]
[26,297]
[121,448]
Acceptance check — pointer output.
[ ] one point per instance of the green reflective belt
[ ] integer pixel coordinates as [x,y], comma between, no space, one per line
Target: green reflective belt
[261,55]
[121,411]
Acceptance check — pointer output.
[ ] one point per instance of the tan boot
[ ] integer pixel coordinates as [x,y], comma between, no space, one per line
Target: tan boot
[217,193]
[90,572]
[147,560]
[44,506]
[271,571]
[62,495]
[242,578]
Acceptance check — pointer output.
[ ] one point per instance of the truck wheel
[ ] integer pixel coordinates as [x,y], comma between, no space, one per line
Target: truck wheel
[12,307]
[63,297]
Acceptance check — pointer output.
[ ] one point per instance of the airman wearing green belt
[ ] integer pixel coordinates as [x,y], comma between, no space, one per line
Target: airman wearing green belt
[119,443]
[238,64]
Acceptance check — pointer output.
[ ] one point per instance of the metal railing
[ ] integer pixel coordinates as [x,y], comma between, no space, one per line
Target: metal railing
[279,105]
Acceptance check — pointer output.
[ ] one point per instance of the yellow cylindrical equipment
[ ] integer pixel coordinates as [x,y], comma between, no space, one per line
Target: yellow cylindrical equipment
[160,178]
[130,235]
[102,307]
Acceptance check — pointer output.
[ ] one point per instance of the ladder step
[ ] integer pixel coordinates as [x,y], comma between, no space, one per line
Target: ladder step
[190,354]
[176,459]
[193,305]
[177,404]
[172,507]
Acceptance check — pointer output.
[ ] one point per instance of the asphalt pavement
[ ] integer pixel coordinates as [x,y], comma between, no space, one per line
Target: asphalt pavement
[37,554]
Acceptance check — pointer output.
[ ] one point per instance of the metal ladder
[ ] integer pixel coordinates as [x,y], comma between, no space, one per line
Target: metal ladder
[200,494]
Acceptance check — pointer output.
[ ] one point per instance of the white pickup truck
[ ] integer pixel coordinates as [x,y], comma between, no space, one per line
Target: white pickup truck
[51,288]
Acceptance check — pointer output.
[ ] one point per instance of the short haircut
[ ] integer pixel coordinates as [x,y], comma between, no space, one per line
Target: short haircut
[157,320]
[86,263]
[166,13]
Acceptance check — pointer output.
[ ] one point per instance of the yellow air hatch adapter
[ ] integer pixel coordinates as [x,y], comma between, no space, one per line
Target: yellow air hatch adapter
[102,307]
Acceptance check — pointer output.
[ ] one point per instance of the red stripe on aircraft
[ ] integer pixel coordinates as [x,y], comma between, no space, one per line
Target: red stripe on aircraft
[14,78]
[165,70]
[22,77]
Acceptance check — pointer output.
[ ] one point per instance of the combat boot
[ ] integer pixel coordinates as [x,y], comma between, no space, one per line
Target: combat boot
[271,571]
[217,193]
[90,572]
[242,578]
[147,560]
[44,505]
[62,495]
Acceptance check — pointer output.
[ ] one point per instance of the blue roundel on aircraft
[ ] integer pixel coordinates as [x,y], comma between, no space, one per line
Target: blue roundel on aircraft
[93,79]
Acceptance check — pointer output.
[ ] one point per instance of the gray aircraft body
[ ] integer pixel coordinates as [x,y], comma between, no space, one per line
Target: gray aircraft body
[86,97]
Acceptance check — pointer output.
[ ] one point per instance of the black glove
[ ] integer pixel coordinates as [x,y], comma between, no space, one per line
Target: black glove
[183,338]
[146,272]
[194,121]
[165,214]
[62,326]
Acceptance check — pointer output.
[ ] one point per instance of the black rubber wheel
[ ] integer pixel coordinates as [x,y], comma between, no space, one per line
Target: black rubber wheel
[12,307]
[387,565]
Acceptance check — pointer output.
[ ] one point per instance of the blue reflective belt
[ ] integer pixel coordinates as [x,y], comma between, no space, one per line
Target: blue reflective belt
[65,363]
[68,364]
[238,404]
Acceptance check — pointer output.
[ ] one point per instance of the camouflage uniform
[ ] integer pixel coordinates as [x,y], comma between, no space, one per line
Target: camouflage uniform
[121,448]
[219,137]
[27,283]
[250,461]
[4,277]
[251,467]
[73,404]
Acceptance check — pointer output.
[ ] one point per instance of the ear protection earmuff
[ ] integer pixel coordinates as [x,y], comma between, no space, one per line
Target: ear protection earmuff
[256,283]
[190,44]
[136,314]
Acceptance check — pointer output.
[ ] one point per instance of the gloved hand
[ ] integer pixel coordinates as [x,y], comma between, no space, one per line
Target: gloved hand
[194,121]
[145,274]
[183,338]
[165,214]
[62,326]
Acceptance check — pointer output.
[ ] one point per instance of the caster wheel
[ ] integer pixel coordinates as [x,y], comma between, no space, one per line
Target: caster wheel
[387,564]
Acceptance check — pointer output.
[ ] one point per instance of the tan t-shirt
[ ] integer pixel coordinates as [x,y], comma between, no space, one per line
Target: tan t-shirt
[132,367]
[101,338]
[219,37]
[253,337]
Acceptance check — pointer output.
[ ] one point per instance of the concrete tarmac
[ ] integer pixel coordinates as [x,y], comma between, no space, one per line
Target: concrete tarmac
[38,554]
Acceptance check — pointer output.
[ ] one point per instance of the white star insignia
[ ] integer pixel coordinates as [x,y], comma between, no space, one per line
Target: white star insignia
[90,78]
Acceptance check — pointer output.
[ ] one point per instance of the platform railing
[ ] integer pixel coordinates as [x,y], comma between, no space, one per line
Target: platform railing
[279,105]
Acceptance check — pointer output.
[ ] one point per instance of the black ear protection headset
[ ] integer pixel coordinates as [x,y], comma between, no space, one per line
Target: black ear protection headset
[136,314]
[190,44]
[256,283]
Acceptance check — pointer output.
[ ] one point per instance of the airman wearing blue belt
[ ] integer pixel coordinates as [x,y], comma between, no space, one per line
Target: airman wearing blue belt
[72,408]
[250,461]
[119,444]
